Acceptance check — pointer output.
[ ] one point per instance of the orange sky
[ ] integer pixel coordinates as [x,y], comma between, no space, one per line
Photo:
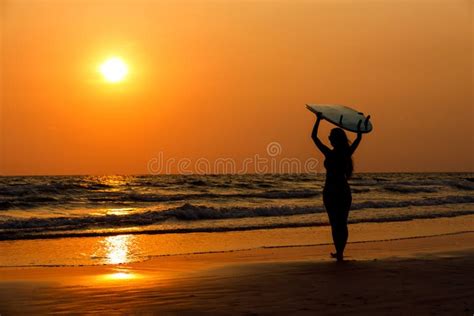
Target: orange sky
[225,78]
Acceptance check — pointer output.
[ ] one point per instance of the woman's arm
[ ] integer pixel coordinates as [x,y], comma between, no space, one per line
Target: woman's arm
[356,142]
[314,135]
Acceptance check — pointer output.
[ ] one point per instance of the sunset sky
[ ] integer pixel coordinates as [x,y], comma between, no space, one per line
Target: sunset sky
[224,78]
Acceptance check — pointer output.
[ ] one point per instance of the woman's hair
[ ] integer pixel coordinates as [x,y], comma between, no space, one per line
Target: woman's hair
[342,145]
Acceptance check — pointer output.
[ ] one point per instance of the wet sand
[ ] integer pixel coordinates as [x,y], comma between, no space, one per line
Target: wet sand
[431,275]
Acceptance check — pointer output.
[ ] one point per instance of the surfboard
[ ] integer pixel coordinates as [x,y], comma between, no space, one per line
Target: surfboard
[343,116]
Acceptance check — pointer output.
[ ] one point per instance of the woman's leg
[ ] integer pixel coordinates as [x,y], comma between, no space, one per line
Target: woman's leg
[342,234]
[342,229]
[338,211]
[335,231]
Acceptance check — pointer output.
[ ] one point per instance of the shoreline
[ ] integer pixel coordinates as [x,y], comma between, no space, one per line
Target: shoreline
[5,237]
[154,257]
[136,248]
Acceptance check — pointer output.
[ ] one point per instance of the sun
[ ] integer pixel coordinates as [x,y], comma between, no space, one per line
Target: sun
[114,70]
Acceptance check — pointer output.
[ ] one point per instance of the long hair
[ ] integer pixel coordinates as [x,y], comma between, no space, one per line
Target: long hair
[341,146]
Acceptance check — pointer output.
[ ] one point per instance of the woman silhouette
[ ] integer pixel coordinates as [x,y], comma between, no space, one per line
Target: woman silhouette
[337,196]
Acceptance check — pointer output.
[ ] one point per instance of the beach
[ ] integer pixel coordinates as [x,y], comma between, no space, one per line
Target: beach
[417,275]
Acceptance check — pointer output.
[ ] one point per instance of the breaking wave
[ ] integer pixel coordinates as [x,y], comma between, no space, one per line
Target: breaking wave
[13,228]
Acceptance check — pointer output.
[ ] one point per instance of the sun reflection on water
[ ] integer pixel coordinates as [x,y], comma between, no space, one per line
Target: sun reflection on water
[119,249]
[119,211]
[120,276]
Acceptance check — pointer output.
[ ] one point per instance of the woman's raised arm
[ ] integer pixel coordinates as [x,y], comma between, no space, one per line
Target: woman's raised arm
[356,142]
[314,135]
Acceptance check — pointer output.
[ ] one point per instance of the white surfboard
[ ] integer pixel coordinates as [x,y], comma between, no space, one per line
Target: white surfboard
[343,116]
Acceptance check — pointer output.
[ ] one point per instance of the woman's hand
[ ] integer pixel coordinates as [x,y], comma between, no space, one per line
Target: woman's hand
[319,115]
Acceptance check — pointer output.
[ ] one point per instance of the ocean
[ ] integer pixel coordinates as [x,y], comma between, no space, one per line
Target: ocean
[46,207]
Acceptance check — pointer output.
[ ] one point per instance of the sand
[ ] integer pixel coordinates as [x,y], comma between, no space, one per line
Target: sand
[423,276]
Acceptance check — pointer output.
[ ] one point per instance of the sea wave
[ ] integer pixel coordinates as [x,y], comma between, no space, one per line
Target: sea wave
[271,194]
[429,185]
[186,212]
[190,212]
[412,184]
[411,189]
[35,201]
[17,235]
[72,192]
